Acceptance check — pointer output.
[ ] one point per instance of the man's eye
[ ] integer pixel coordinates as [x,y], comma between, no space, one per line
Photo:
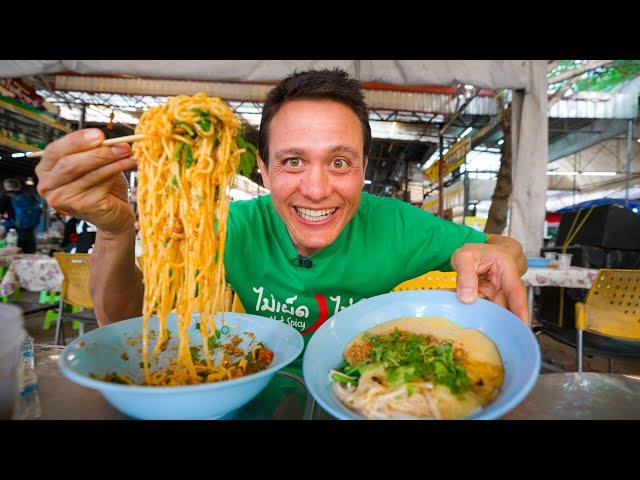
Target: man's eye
[338,163]
[293,162]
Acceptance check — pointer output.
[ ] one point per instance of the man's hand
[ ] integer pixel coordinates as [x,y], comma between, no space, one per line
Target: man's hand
[493,271]
[81,178]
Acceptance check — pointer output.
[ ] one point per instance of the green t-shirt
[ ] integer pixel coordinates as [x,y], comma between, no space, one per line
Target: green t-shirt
[387,242]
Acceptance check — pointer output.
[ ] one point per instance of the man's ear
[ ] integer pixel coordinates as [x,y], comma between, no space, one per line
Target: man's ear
[264,172]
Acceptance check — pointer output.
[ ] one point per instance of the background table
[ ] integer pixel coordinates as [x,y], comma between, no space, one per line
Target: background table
[581,396]
[4,251]
[574,277]
[62,399]
[33,272]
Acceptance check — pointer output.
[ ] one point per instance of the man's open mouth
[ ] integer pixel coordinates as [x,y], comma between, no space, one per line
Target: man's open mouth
[315,215]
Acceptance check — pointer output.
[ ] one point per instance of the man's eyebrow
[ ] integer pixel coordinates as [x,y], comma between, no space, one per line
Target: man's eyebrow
[345,149]
[300,152]
[288,151]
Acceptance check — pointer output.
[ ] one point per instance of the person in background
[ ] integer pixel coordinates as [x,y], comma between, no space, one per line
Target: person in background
[56,224]
[69,237]
[86,236]
[79,236]
[20,210]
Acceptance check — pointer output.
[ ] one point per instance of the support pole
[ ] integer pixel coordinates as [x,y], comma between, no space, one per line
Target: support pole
[465,213]
[82,117]
[629,158]
[575,169]
[530,161]
[441,179]
[407,197]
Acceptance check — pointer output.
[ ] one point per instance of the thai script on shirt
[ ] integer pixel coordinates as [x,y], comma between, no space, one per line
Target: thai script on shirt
[270,304]
[296,315]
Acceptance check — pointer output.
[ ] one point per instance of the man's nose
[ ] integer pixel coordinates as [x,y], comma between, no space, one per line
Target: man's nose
[315,183]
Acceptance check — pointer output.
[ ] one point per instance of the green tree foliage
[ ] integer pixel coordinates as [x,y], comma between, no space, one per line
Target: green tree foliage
[605,78]
[248,158]
[602,79]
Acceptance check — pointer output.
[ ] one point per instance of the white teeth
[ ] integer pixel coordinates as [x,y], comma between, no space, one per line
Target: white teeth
[315,215]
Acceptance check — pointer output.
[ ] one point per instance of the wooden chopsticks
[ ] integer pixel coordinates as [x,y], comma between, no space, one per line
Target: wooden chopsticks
[111,141]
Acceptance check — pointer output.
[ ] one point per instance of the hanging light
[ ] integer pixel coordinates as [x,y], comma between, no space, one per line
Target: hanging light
[466,132]
[29,181]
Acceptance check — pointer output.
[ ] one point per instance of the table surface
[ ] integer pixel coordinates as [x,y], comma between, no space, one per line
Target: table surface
[33,272]
[62,399]
[4,251]
[554,397]
[581,396]
[8,258]
[574,277]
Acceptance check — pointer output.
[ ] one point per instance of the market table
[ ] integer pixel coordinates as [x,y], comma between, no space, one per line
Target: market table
[555,396]
[5,251]
[34,272]
[62,399]
[571,396]
[573,277]
[581,396]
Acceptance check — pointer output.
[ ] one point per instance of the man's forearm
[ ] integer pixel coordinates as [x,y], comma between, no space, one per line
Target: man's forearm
[514,247]
[115,282]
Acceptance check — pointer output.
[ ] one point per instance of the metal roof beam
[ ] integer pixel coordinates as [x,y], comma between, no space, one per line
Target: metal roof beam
[598,131]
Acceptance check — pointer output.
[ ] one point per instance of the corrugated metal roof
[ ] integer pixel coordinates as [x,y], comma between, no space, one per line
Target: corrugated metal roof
[621,105]
[376,99]
[426,102]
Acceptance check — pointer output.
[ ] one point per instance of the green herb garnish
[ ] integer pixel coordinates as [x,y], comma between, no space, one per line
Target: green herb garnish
[195,354]
[190,132]
[411,358]
[178,154]
[202,113]
[188,156]
[205,124]
[342,378]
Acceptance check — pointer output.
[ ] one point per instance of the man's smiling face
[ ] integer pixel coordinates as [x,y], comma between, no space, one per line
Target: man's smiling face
[316,170]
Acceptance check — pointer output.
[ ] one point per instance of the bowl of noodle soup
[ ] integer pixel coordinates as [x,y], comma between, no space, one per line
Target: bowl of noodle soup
[117,348]
[512,341]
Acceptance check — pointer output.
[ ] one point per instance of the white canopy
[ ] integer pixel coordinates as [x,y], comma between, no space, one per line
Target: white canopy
[481,73]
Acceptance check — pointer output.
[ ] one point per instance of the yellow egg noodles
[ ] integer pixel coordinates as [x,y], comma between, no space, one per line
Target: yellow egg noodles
[186,163]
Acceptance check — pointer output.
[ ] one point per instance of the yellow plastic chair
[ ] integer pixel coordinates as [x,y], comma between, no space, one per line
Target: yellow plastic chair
[611,309]
[434,280]
[236,304]
[428,281]
[75,289]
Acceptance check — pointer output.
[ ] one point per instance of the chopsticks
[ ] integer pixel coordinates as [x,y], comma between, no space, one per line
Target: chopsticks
[111,141]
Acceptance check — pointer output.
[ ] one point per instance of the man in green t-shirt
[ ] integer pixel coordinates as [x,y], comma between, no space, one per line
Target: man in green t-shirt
[316,244]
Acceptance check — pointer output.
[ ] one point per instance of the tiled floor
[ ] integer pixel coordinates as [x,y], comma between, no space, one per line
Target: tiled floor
[553,352]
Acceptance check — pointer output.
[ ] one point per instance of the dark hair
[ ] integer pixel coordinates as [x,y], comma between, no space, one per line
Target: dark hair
[321,84]
[12,184]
